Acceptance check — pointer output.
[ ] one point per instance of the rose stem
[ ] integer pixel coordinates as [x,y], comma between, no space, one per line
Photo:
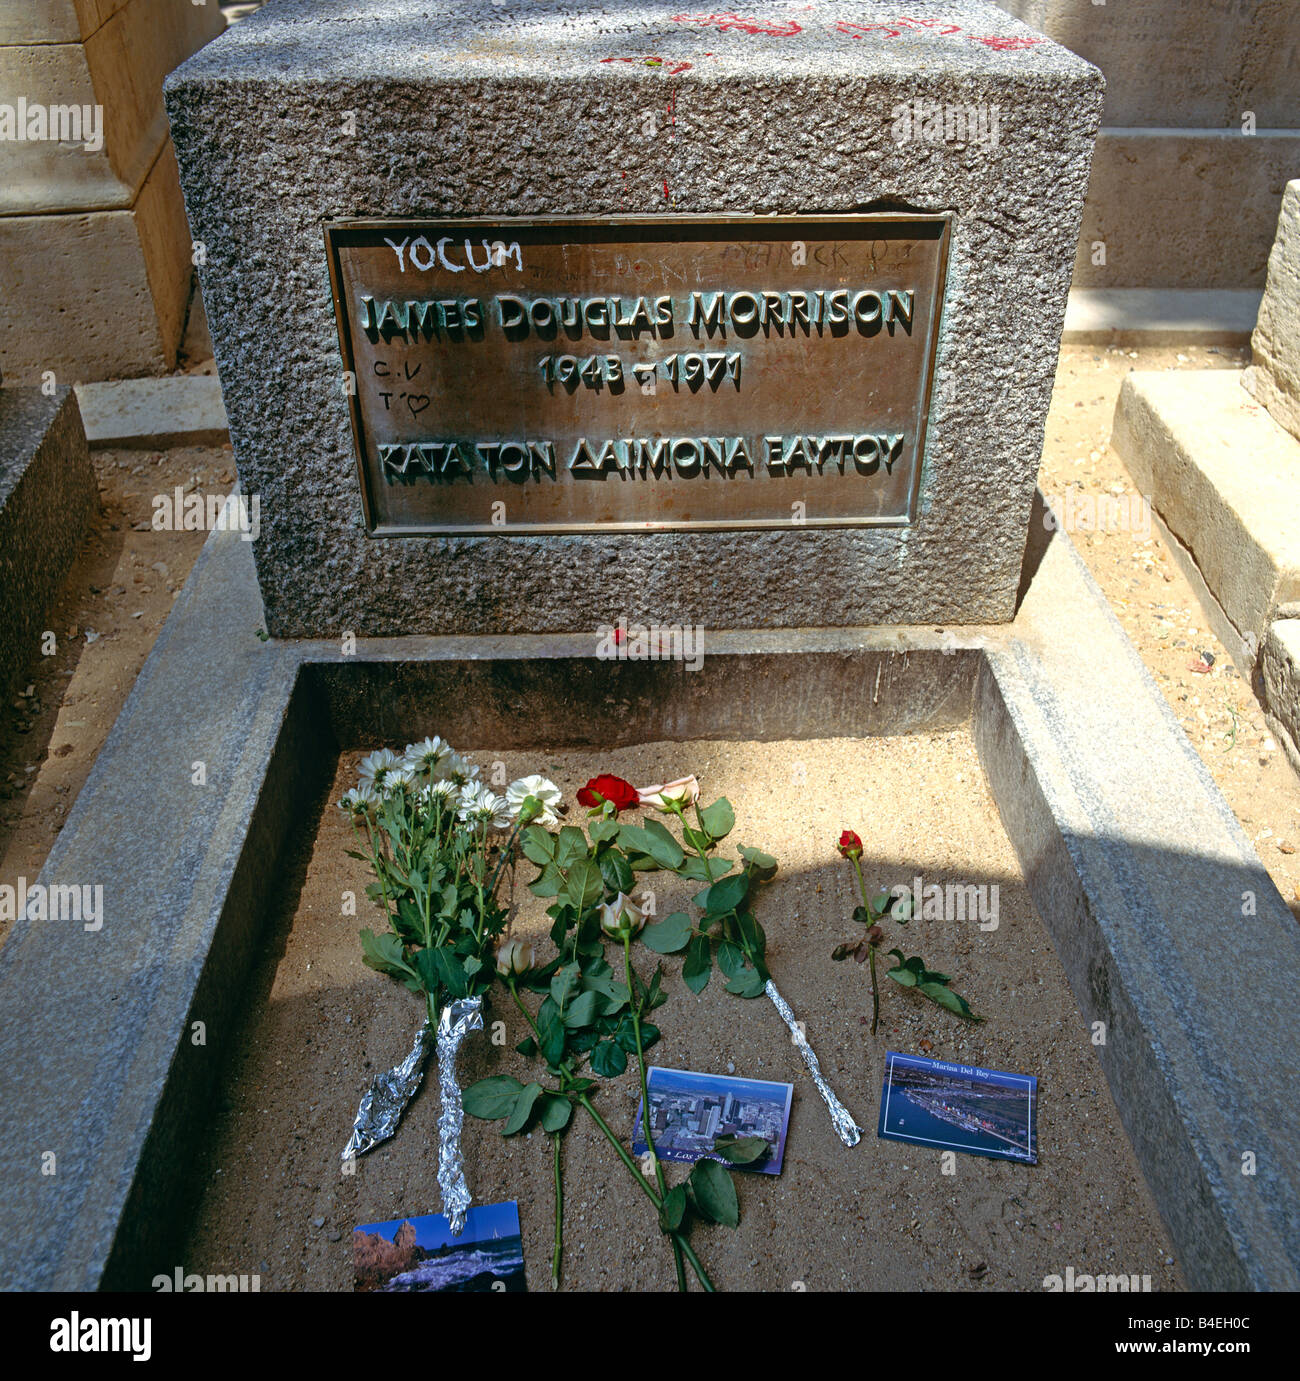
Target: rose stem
[645,1104]
[559,1217]
[627,1160]
[875,991]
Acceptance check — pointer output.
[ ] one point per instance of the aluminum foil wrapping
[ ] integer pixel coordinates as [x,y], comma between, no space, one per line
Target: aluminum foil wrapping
[849,1131]
[384,1102]
[458,1019]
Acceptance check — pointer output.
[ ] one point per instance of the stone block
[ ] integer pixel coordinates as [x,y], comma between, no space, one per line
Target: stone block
[54,21]
[152,413]
[48,496]
[1160,316]
[1274,373]
[114,71]
[1167,62]
[529,111]
[103,293]
[1280,674]
[1225,480]
[1184,208]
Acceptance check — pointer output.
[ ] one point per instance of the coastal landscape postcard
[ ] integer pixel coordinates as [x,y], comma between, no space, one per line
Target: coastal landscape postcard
[420,1253]
[983,1112]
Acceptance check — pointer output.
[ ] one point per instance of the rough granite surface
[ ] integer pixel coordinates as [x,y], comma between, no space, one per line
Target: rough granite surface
[48,496]
[470,109]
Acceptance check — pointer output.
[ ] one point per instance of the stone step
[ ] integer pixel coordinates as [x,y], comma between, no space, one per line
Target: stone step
[144,414]
[1161,316]
[1224,479]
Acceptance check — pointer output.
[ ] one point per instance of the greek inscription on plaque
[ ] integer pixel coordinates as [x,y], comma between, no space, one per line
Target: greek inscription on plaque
[638,373]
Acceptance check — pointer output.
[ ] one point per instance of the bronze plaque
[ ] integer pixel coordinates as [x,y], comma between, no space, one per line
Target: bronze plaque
[638,373]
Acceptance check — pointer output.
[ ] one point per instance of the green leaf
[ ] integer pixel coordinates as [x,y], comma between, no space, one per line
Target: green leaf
[492,1098]
[719,818]
[584,886]
[408,922]
[748,984]
[556,1112]
[724,896]
[612,995]
[522,1110]
[715,1195]
[653,841]
[697,870]
[570,846]
[549,884]
[752,938]
[673,1210]
[743,1150]
[862,915]
[450,970]
[673,933]
[616,871]
[601,830]
[583,1010]
[656,996]
[945,997]
[731,959]
[551,1029]
[564,983]
[538,845]
[699,964]
[384,953]
[699,840]
[608,1059]
[880,904]
[762,866]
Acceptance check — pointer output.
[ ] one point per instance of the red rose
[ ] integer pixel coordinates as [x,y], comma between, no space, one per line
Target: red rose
[850,844]
[608,788]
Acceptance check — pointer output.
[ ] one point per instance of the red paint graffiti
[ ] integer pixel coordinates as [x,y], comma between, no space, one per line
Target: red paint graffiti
[1005,44]
[893,28]
[724,21]
[672,68]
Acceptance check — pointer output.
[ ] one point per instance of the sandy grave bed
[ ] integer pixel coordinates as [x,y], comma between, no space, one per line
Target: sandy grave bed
[879,1216]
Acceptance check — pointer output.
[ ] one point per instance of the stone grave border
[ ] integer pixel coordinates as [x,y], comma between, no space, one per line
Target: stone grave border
[1132,856]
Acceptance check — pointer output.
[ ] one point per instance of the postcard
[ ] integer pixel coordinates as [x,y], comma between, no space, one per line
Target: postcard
[420,1253]
[956,1107]
[689,1112]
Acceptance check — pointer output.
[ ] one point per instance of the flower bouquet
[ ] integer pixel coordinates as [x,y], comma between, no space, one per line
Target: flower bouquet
[592,1015]
[438,841]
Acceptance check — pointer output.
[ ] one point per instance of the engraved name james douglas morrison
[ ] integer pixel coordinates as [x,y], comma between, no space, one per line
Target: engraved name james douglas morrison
[713,318]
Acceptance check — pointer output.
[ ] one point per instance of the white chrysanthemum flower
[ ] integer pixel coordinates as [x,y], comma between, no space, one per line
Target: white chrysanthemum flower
[377,766]
[544,790]
[437,793]
[460,770]
[398,779]
[479,802]
[361,800]
[427,756]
